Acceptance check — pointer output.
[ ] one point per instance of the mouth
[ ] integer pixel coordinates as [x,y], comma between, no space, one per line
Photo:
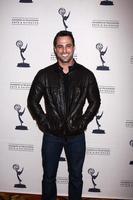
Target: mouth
[65,55]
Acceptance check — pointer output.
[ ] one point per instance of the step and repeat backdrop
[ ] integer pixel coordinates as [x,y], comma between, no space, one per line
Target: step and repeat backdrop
[103,32]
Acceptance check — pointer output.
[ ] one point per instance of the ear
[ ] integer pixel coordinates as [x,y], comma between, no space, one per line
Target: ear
[54,50]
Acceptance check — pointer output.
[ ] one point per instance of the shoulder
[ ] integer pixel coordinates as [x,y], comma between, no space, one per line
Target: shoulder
[44,71]
[47,69]
[84,70]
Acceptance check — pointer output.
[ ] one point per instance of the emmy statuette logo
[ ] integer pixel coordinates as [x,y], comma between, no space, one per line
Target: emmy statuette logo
[91,171]
[102,67]
[18,173]
[62,12]
[131,144]
[107,3]
[25,1]
[19,44]
[98,130]
[17,107]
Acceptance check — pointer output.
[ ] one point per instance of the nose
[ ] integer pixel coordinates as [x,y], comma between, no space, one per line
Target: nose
[64,49]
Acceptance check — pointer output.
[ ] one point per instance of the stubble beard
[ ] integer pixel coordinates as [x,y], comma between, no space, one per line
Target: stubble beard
[65,60]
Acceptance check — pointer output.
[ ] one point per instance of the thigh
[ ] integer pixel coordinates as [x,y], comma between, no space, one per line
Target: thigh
[75,153]
[51,150]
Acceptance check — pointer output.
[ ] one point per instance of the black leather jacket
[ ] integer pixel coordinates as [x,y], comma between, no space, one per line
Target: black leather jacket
[61,118]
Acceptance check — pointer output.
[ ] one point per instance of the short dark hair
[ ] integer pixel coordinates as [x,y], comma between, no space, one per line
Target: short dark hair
[61,34]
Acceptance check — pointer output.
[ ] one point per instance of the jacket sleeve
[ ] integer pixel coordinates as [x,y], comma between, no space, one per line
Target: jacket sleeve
[94,101]
[34,97]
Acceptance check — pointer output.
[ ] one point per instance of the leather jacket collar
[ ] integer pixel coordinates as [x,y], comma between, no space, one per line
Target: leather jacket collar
[71,68]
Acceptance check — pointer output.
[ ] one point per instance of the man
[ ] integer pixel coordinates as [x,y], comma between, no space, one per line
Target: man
[65,86]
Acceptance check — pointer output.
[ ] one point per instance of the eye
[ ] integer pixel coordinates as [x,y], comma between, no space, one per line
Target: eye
[59,46]
[69,45]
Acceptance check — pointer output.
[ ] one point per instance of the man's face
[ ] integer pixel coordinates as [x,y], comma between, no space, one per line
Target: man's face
[64,50]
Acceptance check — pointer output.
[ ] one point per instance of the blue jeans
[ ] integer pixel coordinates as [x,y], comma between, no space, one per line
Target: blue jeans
[74,148]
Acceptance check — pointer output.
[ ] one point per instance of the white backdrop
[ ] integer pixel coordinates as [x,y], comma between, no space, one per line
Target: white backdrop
[109,155]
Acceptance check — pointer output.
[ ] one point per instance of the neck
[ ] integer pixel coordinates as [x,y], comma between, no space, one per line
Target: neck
[66,66]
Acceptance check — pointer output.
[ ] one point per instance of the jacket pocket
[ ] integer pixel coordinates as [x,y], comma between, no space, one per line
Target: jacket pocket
[43,125]
[76,125]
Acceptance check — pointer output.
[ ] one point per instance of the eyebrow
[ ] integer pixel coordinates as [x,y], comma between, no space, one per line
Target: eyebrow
[69,44]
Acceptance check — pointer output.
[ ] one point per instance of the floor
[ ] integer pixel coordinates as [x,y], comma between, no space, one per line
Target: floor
[14,196]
